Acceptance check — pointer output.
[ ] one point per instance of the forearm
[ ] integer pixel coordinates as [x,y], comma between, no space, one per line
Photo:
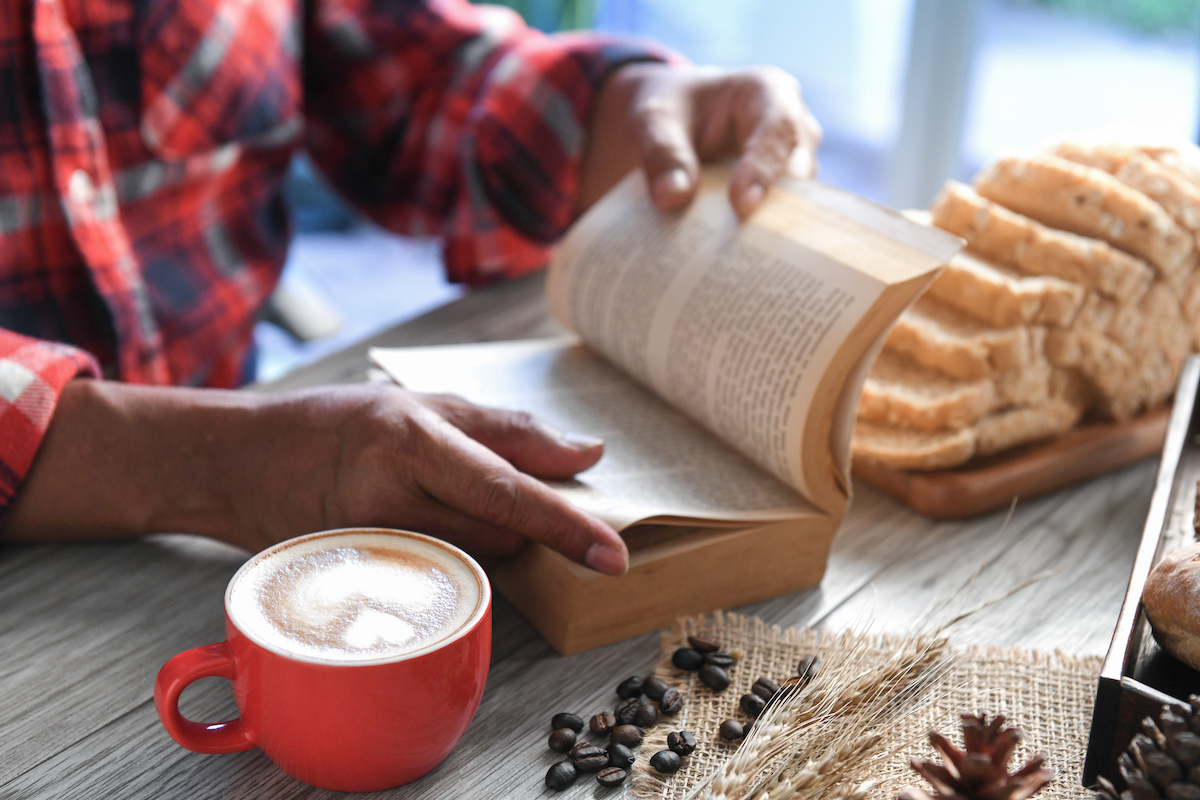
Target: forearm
[253,470]
[120,460]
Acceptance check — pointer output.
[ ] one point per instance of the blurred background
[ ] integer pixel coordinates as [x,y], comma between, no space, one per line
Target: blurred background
[910,92]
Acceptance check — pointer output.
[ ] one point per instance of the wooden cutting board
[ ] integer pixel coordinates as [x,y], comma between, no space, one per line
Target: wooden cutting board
[991,483]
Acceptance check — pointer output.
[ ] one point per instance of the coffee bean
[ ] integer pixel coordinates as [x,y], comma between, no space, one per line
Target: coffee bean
[748,728]
[620,756]
[681,742]
[561,775]
[578,748]
[714,678]
[564,720]
[752,704]
[630,687]
[628,735]
[666,762]
[602,723]
[610,777]
[731,730]
[687,659]
[626,711]
[808,668]
[654,687]
[765,688]
[722,660]
[591,759]
[700,644]
[647,715]
[671,703]
[562,740]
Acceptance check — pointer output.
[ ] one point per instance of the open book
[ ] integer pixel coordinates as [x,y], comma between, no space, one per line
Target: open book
[721,361]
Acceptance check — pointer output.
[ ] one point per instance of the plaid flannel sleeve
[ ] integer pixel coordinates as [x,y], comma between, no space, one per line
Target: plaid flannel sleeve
[32,376]
[447,119]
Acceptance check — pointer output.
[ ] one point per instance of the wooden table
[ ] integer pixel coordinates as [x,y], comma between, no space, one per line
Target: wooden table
[85,628]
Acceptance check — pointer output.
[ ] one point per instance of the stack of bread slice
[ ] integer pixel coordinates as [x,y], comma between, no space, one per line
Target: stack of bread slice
[1078,294]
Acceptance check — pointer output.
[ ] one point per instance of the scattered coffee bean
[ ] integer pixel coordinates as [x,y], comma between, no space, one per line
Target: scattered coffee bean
[714,678]
[666,762]
[808,668]
[610,777]
[654,687]
[732,730]
[687,659]
[722,660]
[562,740]
[647,715]
[628,735]
[602,723]
[748,728]
[699,643]
[765,688]
[630,687]
[752,704]
[561,775]
[681,742]
[590,759]
[671,703]
[578,748]
[620,756]
[626,710]
[572,721]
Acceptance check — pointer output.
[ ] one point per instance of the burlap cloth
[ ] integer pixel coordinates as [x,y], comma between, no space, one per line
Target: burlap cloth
[1048,695]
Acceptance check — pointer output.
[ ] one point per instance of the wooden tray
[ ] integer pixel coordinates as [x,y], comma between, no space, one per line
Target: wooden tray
[991,483]
[1138,677]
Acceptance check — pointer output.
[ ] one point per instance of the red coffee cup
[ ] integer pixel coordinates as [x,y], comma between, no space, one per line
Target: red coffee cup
[360,725]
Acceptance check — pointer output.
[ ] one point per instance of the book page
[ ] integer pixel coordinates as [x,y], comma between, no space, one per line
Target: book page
[658,465]
[731,324]
[739,324]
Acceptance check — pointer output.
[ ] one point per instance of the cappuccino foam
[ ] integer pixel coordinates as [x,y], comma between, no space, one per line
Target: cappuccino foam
[354,596]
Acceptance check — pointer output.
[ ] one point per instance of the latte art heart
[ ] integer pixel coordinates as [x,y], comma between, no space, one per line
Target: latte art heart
[356,597]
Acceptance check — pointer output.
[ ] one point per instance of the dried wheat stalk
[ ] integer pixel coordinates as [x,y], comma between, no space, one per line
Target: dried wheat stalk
[798,748]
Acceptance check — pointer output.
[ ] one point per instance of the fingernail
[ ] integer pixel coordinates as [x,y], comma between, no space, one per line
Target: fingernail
[581,441]
[606,559]
[752,197]
[575,441]
[672,182]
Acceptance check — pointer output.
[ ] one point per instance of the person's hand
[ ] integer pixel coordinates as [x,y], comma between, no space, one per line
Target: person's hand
[668,119]
[257,469]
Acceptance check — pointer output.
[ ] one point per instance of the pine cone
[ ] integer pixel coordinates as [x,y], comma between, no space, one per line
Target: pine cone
[980,770]
[1163,761]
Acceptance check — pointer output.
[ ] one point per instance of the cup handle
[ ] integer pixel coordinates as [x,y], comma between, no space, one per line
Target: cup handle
[211,660]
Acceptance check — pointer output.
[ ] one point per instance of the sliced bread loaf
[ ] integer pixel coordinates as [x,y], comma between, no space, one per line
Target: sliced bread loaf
[1090,202]
[1010,239]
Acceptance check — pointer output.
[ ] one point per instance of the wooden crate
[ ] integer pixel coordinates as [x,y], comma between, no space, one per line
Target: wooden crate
[673,570]
[1138,676]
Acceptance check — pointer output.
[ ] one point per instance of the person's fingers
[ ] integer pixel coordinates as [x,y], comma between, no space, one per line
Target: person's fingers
[769,115]
[661,119]
[477,537]
[803,163]
[528,443]
[465,475]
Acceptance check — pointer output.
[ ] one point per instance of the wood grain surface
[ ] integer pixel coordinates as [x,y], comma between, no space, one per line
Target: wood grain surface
[85,628]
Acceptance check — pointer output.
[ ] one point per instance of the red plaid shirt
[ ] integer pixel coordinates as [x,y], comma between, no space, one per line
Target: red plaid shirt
[143,144]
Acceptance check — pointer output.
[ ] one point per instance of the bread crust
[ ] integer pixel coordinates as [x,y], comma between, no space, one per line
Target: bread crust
[1171,598]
